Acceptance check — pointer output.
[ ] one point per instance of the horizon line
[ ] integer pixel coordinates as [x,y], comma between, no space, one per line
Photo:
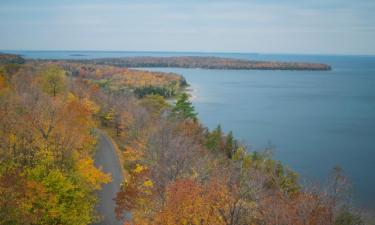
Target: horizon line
[204,52]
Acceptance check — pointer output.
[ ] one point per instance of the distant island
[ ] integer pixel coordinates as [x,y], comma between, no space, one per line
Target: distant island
[78,55]
[205,63]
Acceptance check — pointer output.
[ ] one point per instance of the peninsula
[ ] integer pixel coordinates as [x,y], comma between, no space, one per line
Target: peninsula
[205,63]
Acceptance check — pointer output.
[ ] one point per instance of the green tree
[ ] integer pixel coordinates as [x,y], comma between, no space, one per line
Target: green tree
[155,104]
[184,108]
[53,80]
[347,218]
[229,145]
[213,140]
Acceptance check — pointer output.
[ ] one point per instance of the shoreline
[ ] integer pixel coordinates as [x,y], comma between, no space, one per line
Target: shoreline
[199,62]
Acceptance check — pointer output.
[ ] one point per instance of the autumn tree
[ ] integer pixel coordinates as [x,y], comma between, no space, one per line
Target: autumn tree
[155,104]
[3,82]
[188,202]
[47,175]
[53,80]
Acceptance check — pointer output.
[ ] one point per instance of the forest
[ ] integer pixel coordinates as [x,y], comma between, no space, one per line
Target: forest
[205,63]
[116,79]
[176,170]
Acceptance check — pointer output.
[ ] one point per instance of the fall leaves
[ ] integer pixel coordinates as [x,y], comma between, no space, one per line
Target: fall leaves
[47,174]
[177,171]
[191,202]
[90,174]
[120,80]
[207,177]
[188,202]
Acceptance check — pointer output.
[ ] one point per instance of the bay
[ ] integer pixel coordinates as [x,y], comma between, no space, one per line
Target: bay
[314,120]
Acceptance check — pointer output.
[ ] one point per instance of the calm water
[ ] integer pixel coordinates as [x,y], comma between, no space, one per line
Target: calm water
[315,120]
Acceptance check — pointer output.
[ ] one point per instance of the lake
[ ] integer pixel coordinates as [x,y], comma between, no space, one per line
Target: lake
[314,120]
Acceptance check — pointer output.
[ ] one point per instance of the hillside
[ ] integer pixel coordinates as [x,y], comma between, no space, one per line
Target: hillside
[177,171]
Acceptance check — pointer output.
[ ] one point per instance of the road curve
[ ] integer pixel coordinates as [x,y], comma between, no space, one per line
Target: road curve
[107,159]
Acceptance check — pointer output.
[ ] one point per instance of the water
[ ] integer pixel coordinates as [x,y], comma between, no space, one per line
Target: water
[315,120]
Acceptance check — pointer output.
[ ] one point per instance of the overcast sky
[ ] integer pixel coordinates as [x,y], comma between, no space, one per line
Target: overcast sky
[263,26]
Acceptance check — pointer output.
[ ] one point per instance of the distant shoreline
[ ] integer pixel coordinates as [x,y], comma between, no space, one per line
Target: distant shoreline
[201,62]
[78,55]
[195,62]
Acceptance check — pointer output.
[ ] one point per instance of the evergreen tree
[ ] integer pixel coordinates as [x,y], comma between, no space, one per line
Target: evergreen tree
[213,141]
[229,144]
[184,108]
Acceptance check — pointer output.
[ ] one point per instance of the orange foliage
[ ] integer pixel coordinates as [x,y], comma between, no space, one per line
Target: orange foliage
[188,202]
[123,77]
[3,82]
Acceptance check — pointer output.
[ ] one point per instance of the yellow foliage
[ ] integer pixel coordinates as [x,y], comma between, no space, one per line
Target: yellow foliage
[194,174]
[12,139]
[71,97]
[109,116]
[148,183]
[91,106]
[4,87]
[139,168]
[93,176]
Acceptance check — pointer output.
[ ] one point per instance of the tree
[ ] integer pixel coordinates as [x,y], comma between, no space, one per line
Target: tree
[47,174]
[122,121]
[136,192]
[184,108]
[155,104]
[229,145]
[188,202]
[347,218]
[53,80]
[3,83]
[214,139]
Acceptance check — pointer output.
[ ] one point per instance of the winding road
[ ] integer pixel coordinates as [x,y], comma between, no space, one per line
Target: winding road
[107,159]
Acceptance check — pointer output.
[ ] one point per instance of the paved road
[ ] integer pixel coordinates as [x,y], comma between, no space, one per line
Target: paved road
[107,159]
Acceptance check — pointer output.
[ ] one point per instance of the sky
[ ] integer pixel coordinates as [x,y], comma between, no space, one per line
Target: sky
[256,26]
